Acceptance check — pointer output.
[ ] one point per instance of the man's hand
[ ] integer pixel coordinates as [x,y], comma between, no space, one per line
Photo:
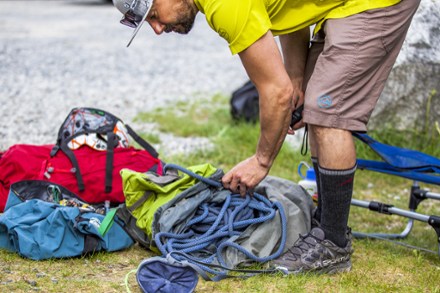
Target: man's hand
[297,103]
[245,176]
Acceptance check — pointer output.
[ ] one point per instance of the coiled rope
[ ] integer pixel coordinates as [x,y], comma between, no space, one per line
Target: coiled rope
[214,224]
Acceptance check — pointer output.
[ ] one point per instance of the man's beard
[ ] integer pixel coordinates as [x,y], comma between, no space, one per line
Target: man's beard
[186,21]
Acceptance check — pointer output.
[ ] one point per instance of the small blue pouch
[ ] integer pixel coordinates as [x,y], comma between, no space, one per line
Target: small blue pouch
[158,274]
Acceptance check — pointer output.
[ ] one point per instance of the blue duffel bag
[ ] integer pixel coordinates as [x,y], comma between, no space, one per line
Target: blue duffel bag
[43,220]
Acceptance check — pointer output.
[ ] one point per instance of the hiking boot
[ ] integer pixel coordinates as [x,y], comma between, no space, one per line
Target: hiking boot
[313,253]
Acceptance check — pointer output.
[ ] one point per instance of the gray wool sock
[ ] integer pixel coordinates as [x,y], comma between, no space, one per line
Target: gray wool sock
[336,192]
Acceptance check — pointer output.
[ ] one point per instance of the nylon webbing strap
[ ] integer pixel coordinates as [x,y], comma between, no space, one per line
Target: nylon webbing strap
[130,226]
[142,142]
[111,140]
[68,152]
[140,201]
[305,141]
[107,222]
[164,179]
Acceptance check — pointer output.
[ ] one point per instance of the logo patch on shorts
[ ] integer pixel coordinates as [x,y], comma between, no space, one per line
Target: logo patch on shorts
[324,101]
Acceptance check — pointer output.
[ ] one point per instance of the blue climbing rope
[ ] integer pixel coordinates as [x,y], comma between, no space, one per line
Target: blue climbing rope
[192,174]
[214,224]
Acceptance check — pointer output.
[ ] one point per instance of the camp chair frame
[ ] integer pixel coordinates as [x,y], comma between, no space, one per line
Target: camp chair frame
[408,164]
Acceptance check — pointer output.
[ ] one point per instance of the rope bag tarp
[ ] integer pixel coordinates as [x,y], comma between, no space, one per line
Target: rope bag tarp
[237,230]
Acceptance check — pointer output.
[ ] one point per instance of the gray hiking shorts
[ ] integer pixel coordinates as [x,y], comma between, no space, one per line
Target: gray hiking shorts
[348,63]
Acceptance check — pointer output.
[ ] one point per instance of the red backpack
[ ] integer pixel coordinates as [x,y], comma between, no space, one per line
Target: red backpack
[27,162]
[92,147]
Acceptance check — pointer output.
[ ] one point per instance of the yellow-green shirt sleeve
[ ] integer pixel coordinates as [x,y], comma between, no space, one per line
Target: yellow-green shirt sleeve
[240,23]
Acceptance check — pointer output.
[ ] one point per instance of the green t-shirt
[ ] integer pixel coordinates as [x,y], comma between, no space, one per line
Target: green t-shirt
[242,22]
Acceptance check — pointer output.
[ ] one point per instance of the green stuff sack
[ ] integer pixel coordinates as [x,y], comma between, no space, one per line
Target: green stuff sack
[145,193]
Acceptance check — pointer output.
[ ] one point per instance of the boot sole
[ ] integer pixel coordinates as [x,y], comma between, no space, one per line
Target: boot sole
[342,267]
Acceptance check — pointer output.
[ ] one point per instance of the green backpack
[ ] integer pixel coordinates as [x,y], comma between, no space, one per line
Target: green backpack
[146,192]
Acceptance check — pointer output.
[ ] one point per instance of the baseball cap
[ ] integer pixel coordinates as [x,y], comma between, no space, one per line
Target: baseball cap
[135,12]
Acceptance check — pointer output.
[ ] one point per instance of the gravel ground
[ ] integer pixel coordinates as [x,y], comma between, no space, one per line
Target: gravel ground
[56,55]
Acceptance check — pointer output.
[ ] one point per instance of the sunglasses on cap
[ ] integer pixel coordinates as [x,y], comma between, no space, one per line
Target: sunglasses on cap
[135,15]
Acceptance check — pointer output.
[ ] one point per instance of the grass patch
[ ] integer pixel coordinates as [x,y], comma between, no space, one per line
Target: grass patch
[201,119]
[378,266]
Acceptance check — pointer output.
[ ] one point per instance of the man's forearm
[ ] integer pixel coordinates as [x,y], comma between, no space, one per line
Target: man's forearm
[274,122]
[265,67]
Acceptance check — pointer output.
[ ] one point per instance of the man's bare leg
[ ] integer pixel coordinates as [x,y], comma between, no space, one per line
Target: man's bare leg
[335,154]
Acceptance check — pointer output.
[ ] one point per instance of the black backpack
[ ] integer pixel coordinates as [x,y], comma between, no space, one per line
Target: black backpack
[244,103]
[99,130]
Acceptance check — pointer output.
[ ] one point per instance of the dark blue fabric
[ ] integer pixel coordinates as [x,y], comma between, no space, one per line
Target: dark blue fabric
[400,157]
[401,162]
[383,167]
[158,275]
[40,230]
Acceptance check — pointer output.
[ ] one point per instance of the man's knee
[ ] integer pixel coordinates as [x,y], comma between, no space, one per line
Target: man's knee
[334,147]
[325,135]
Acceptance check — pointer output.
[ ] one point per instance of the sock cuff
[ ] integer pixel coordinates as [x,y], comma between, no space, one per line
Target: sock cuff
[337,172]
[314,160]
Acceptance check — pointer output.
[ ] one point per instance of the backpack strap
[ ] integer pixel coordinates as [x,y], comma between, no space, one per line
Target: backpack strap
[136,233]
[107,222]
[140,201]
[111,141]
[168,177]
[68,152]
[143,143]
[91,241]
